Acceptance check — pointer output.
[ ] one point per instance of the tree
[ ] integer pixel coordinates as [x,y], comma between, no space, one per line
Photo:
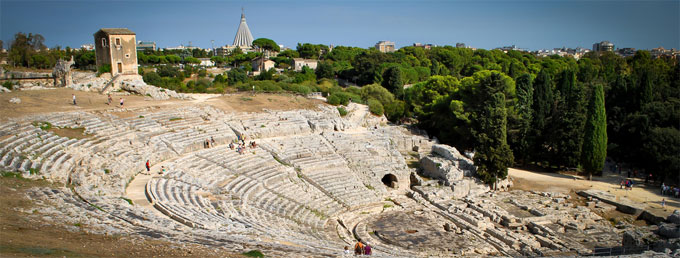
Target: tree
[311,51]
[566,126]
[519,136]
[594,149]
[392,81]
[324,70]
[493,155]
[542,110]
[266,44]
[236,75]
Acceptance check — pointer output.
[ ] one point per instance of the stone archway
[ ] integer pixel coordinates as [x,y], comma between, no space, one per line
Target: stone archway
[390,180]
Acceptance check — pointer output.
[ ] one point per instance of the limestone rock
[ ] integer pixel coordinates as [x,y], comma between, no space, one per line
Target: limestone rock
[15,100]
[675,217]
[156,93]
[3,89]
[633,238]
[669,230]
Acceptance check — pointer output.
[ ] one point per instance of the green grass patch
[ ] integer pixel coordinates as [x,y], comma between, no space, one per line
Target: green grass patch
[141,116]
[34,171]
[106,171]
[369,186]
[246,99]
[127,200]
[12,175]
[175,118]
[96,207]
[253,253]
[385,206]
[319,214]
[43,125]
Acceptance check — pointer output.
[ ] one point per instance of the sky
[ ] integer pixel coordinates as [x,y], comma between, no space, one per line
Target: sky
[529,24]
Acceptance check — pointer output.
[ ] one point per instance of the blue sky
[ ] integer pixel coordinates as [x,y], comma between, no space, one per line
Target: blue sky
[532,24]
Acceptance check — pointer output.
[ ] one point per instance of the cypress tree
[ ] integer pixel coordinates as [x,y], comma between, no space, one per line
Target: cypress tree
[542,110]
[594,149]
[566,126]
[493,156]
[520,143]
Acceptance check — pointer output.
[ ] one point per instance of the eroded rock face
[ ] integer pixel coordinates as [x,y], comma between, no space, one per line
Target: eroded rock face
[447,164]
[156,93]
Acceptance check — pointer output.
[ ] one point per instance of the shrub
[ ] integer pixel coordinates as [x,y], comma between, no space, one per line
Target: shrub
[103,69]
[342,98]
[253,253]
[9,85]
[342,111]
[375,107]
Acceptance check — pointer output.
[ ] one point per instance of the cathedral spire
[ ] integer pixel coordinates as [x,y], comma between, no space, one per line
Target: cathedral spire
[243,36]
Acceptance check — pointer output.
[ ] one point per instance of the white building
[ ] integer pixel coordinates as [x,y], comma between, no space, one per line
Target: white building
[298,63]
[206,62]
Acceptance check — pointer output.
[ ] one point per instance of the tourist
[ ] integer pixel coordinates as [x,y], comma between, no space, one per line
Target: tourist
[109,100]
[74,99]
[162,170]
[663,188]
[121,102]
[623,183]
[148,167]
[212,141]
[663,203]
[346,252]
[367,249]
[358,248]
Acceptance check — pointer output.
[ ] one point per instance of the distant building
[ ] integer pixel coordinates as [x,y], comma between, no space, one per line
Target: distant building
[298,63]
[424,46]
[603,46]
[385,46]
[87,46]
[512,47]
[206,62]
[263,64]
[182,47]
[116,47]
[460,45]
[146,45]
[625,52]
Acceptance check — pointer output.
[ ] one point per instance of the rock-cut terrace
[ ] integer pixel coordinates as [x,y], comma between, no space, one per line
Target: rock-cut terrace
[312,183]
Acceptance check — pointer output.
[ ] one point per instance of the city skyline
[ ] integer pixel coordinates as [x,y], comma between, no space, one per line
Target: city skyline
[483,24]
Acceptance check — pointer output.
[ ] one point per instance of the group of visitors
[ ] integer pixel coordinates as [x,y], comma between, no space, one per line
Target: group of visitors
[627,183]
[208,143]
[241,145]
[148,169]
[670,190]
[360,249]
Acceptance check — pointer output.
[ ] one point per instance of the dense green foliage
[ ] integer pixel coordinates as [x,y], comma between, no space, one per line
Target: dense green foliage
[594,149]
[375,107]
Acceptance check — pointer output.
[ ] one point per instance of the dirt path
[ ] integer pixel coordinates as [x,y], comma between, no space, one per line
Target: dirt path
[646,194]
